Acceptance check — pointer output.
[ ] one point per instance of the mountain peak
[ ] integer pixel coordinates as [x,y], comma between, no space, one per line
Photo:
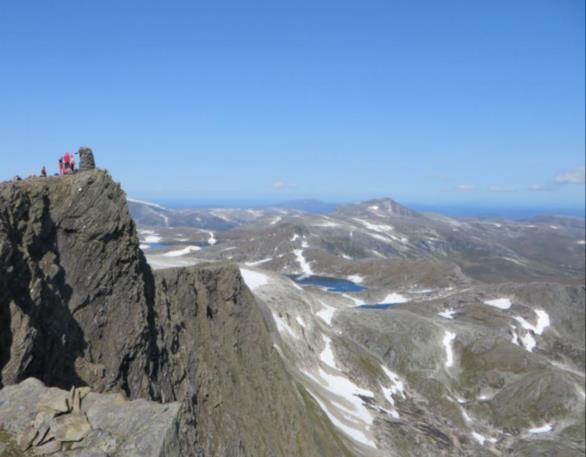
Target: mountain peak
[382,207]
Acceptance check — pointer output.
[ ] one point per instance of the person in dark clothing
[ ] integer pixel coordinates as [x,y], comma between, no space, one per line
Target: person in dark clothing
[44,172]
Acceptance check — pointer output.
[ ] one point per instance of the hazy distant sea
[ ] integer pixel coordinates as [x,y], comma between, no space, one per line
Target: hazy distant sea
[449,210]
[500,212]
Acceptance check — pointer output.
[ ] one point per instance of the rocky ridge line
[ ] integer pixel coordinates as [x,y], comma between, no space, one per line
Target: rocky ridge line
[82,308]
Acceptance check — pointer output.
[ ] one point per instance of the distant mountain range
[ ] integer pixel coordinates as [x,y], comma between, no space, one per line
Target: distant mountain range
[316,206]
[308,206]
[416,333]
[538,248]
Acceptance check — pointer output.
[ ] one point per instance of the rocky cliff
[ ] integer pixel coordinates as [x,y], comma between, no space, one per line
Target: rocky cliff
[80,306]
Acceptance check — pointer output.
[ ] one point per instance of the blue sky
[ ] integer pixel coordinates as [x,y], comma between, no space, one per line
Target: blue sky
[463,102]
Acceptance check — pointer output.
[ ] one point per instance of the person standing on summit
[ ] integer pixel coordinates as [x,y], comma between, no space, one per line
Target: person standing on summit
[67,162]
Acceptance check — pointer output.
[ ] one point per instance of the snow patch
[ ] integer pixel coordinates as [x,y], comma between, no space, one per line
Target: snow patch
[387,230]
[220,214]
[254,279]
[543,429]
[326,224]
[517,261]
[449,337]
[357,301]
[154,238]
[303,263]
[478,437]
[465,415]
[528,340]
[482,439]
[300,321]
[212,239]
[181,252]
[543,322]
[258,262]
[327,313]
[395,299]
[282,326]
[353,432]
[356,413]
[142,202]
[327,355]
[356,279]
[448,313]
[500,303]
[397,388]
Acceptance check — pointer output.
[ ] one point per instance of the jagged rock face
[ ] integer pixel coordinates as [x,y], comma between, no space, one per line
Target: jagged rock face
[80,306]
[76,288]
[218,353]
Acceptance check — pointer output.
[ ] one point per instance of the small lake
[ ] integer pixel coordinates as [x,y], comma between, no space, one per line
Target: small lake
[169,244]
[329,284]
[379,306]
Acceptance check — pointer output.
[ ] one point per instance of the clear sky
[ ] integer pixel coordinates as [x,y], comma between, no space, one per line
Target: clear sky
[471,102]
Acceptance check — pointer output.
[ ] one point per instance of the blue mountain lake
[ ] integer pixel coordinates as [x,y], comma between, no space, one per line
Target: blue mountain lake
[379,306]
[168,244]
[329,284]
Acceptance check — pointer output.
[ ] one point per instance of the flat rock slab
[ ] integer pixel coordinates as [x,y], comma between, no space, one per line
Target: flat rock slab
[106,424]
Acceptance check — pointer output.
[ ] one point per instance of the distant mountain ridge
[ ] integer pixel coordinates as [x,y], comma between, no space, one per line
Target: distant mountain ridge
[383,207]
[309,206]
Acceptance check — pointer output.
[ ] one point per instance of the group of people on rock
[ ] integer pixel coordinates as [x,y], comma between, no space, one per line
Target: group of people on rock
[66,164]
[66,167]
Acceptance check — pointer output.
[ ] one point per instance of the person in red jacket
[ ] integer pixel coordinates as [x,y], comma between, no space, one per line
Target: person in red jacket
[67,163]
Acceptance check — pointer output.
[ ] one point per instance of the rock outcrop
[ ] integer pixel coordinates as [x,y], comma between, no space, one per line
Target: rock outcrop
[77,293]
[39,420]
[86,159]
[81,307]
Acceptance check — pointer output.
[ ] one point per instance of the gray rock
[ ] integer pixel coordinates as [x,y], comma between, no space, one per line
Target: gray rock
[81,307]
[107,424]
[86,159]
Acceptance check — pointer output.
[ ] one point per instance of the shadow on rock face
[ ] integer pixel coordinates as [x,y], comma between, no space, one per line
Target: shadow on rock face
[38,334]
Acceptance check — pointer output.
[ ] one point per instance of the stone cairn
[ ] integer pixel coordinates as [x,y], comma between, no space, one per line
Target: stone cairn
[86,159]
[59,421]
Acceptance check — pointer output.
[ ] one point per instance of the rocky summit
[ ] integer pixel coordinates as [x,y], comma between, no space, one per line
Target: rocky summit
[179,362]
